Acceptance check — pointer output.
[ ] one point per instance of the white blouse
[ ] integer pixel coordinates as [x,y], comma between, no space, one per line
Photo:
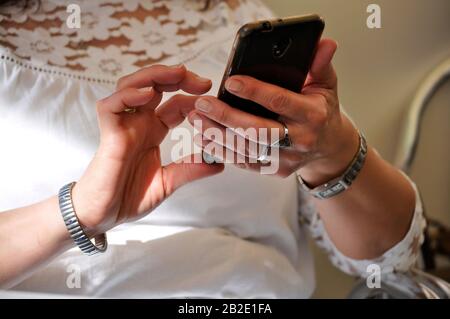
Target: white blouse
[237,234]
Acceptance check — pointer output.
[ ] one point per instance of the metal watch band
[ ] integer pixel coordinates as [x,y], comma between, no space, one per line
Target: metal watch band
[73,225]
[343,182]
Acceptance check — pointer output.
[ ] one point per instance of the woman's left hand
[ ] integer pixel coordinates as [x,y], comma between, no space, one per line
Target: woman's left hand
[323,139]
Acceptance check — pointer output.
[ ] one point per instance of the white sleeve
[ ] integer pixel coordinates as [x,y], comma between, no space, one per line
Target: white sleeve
[401,257]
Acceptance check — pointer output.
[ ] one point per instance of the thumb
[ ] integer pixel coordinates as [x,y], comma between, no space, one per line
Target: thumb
[187,170]
[322,71]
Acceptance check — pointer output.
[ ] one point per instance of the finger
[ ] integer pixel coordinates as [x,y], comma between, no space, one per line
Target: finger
[152,75]
[322,71]
[165,78]
[225,137]
[220,152]
[255,128]
[191,83]
[174,110]
[303,137]
[283,163]
[186,170]
[224,155]
[274,98]
[128,97]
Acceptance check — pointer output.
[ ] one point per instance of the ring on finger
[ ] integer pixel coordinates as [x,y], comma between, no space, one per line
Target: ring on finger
[264,156]
[285,141]
[130,110]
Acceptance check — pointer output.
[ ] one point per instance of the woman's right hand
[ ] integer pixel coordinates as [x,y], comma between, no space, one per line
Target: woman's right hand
[125,180]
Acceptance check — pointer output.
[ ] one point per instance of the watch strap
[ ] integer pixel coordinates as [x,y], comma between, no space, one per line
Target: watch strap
[344,181]
[73,224]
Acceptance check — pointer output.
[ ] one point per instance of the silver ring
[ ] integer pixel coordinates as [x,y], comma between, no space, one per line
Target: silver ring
[263,157]
[283,142]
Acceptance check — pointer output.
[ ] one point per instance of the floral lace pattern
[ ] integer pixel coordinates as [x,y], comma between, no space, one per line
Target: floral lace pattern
[117,37]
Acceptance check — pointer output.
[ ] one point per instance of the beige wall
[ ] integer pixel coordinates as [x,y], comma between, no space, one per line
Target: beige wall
[379,71]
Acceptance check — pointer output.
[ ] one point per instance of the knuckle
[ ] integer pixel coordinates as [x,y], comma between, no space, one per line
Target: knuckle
[154,68]
[121,82]
[125,94]
[278,102]
[127,91]
[222,114]
[309,142]
[248,90]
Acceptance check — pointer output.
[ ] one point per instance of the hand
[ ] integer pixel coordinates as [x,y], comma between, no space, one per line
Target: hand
[126,180]
[323,139]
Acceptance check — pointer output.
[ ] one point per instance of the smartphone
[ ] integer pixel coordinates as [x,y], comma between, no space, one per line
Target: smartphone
[278,51]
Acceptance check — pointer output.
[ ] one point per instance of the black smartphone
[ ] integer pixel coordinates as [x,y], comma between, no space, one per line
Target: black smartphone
[278,51]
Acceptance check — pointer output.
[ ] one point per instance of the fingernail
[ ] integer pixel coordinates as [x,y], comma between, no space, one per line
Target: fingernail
[177,66]
[233,85]
[201,79]
[203,105]
[146,89]
[194,117]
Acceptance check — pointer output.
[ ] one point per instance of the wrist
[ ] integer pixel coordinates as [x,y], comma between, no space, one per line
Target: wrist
[54,231]
[91,198]
[89,221]
[80,235]
[328,167]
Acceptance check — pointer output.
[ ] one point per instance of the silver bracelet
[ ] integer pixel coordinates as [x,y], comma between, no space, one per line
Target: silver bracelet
[73,225]
[343,182]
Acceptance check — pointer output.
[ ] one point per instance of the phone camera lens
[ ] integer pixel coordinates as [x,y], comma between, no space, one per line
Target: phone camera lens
[267,26]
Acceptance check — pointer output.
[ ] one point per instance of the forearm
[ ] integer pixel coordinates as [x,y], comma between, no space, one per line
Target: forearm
[126,170]
[30,237]
[373,214]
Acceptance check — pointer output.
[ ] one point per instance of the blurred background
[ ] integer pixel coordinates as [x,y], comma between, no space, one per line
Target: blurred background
[379,72]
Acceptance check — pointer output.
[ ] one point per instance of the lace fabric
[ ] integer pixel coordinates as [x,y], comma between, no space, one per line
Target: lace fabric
[117,37]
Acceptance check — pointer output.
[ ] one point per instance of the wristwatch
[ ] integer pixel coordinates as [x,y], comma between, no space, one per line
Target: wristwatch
[343,182]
